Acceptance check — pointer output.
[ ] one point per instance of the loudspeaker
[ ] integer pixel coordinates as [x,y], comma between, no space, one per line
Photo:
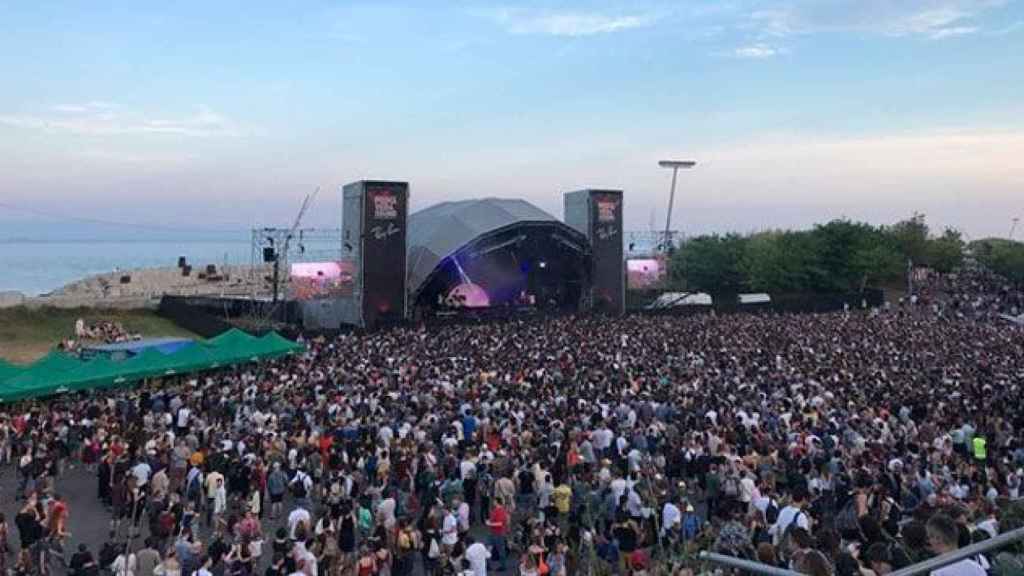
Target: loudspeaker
[598,215]
[374,235]
[268,254]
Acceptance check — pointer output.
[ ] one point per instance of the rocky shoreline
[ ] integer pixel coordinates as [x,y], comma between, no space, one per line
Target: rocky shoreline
[143,288]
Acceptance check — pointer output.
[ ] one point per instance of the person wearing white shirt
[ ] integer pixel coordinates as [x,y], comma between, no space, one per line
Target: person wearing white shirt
[747,488]
[462,510]
[477,554]
[183,416]
[792,515]
[298,516]
[670,516]
[141,472]
[450,530]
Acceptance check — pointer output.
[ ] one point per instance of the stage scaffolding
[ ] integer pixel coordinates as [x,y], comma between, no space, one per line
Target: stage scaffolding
[649,243]
[287,247]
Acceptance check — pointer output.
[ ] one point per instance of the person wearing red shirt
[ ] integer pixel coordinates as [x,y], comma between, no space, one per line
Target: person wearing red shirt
[498,523]
[326,440]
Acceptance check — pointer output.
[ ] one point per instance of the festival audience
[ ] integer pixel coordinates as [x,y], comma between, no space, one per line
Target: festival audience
[829,444]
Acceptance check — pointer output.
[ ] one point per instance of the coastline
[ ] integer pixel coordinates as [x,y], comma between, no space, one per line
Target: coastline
[143,287]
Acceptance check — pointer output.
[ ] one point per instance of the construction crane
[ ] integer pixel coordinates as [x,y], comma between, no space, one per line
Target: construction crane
[287,242]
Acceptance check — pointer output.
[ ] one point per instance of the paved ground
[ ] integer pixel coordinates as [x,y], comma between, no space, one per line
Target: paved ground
[90,521]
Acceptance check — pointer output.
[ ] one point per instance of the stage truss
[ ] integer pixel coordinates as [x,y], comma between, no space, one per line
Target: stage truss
[302,245]
[650,243]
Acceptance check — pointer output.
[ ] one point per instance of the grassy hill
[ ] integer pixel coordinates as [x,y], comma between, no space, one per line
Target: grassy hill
[27,334]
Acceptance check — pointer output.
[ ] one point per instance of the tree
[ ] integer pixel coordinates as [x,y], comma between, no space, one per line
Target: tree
[1004,257]
[710,263]
[877,262]
[840,241]
[781,262]
[910,238]
[945,253]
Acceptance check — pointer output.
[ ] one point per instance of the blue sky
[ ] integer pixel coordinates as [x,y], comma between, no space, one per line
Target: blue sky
[228,113]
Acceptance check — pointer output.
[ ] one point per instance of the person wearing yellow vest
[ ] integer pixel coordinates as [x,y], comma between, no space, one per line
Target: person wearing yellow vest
[980,450]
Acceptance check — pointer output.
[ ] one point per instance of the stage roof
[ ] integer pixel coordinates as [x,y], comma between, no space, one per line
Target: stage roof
[441,230]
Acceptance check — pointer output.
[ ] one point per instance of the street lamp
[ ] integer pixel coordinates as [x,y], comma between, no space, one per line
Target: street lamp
[675,165]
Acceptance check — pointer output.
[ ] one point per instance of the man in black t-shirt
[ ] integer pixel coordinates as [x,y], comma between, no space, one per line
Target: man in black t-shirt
[82,563]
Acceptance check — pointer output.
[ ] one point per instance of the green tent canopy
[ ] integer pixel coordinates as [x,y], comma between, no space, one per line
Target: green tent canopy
[8,370]
[56,372]
[235,346]
[273,344]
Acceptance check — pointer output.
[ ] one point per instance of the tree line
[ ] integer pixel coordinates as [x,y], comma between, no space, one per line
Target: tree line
[1002,256]
[841,256]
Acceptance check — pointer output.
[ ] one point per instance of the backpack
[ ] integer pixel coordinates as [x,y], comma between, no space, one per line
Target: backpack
[788,530]
[732,487]
[771,513]
[299,487]
[847,520]
[193,489]
[691,526]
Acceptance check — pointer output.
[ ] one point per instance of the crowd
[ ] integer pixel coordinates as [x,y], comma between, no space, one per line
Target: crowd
[974,291]
[842,444]
[103,331]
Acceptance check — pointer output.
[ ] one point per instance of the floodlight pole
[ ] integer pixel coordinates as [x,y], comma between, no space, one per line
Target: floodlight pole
[675,165]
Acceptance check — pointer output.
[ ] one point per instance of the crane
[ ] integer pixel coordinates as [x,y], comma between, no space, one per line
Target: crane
[287,241]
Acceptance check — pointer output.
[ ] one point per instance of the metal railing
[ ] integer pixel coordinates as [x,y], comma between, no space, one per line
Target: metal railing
[921,567]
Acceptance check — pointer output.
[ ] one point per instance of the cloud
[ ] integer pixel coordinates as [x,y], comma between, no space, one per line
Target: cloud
[953,31]
[935,19]
[571,24]
[758,51]
[98,119]
[92,106]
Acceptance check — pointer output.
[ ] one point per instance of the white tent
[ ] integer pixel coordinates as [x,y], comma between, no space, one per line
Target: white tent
[678,299]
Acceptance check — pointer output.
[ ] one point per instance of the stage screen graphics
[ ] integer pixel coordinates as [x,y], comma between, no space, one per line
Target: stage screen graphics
[385,206]
[643,273]
[313,280]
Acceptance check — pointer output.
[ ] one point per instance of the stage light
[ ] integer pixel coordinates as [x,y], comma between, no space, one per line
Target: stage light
[543,264]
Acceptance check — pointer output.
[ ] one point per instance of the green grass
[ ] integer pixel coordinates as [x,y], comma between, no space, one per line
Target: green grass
[28,334]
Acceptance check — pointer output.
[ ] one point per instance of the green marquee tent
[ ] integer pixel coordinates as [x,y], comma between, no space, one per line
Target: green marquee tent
[8,370]
[58,372]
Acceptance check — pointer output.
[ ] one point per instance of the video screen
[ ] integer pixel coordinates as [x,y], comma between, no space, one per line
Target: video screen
[312,280]
[643,273]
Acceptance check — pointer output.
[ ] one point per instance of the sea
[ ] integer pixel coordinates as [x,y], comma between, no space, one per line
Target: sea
[36,267]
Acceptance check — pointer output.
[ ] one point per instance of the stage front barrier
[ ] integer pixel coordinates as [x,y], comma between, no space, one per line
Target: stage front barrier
[924,567]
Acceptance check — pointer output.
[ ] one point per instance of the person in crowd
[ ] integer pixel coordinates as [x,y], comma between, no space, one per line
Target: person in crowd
[796,439]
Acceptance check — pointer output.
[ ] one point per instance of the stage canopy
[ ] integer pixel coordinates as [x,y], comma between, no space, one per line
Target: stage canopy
[449,228]
[57,372]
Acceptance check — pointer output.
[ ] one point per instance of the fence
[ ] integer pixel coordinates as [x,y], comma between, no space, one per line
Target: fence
[929,565]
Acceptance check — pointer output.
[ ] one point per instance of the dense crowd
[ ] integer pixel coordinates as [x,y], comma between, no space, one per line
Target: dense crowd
[974,291]
[849,444]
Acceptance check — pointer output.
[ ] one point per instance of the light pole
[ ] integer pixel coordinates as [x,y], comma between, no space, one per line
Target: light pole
[675,165]
[1014,227]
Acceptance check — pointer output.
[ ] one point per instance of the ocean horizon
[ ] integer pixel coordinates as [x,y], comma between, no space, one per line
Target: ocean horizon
[36,267]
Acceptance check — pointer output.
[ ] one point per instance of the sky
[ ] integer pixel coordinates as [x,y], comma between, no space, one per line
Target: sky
[222,115]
